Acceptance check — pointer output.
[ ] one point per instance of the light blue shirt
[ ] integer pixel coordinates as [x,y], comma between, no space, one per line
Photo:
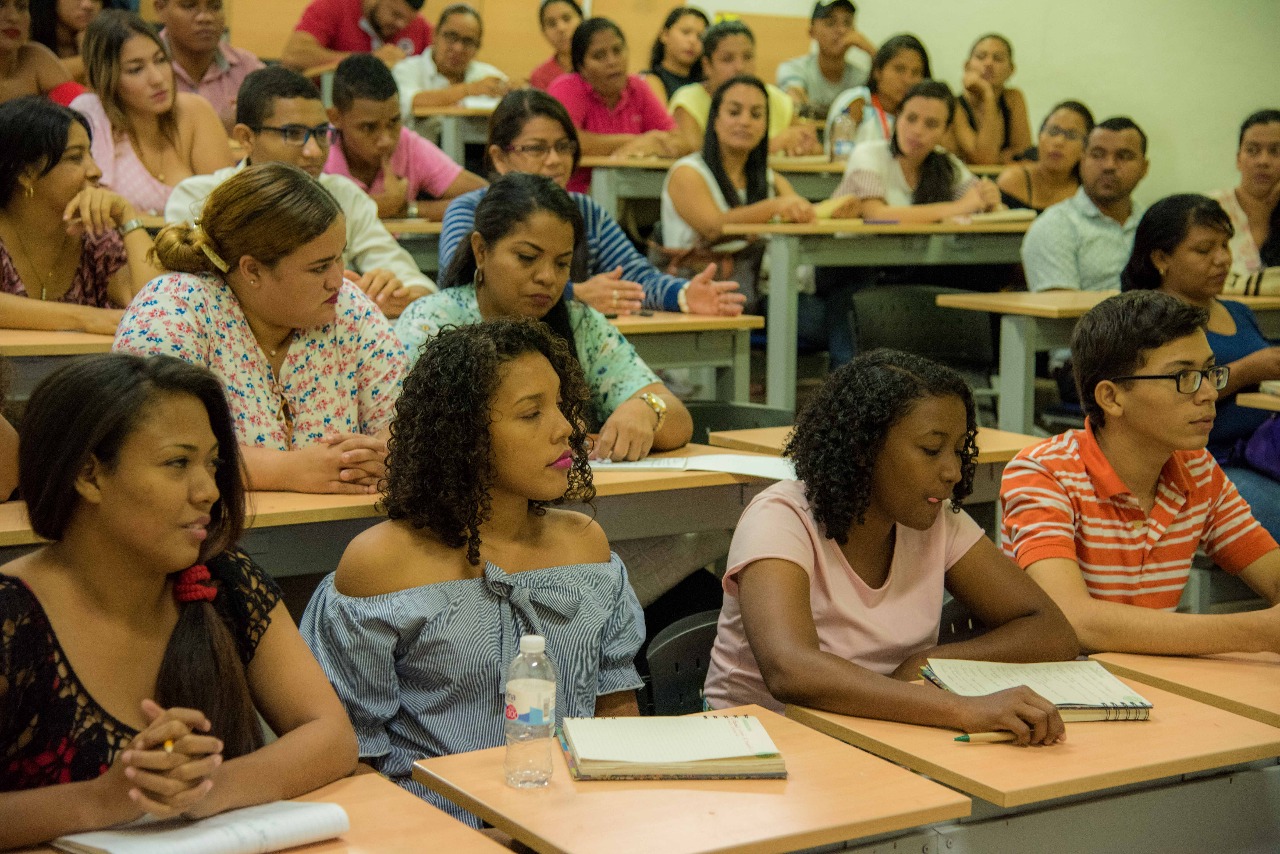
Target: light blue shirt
[1075,246]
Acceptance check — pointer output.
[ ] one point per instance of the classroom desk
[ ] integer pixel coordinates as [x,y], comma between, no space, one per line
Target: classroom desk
[673,340]
[1259,400]
[833,793]
[1246,683]
[324,73]
[420,238]
[1032,322]
[1118,786]
[458,126]
[35,353]
[852,243]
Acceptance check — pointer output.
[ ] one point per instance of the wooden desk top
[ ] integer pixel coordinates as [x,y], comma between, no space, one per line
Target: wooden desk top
[1062,304]
[321,69]
[412,226]
[994,446]
[1241,682]
[1182,737]
[453,110]
[857,226]
[40,342]
[833,793]
[675,321]
[1253,399]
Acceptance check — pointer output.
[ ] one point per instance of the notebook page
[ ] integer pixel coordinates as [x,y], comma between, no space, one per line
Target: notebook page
[663,740]
[774,468]
[1063,683]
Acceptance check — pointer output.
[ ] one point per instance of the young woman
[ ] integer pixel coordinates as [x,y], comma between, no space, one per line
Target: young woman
[728,51]
[147,136]
[992,126]
[1183,247]
[1254,205]
[29,67]
[72,254]
[910,178]
[528,239]
[59,25]
[531,132]
[835,583]
[557,19]
[448,71]
[139,646]
[310,364]
[675,59]
[1054,176]
[489,435]
[900,63]
[616,113]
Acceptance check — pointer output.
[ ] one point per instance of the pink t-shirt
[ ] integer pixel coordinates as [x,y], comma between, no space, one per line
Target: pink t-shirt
[340,25]
[426,168]
[638,111]
[222,79]
[541,77]
[874,628]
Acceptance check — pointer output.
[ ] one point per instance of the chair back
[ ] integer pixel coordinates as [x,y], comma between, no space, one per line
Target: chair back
[715,415]
[908,318]
[678,658]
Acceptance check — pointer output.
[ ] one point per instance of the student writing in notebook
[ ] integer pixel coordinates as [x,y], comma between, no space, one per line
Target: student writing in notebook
[835,583]
[139,646]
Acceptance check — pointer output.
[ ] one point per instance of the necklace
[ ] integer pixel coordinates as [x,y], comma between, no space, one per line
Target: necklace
[57,262]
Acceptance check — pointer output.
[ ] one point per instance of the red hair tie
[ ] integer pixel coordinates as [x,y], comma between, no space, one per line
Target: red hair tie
[192,585]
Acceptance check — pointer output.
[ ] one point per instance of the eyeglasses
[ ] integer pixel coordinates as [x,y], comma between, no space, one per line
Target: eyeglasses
[1068,135]
[298,135]
[453,38]
[540,150]
[1188,381]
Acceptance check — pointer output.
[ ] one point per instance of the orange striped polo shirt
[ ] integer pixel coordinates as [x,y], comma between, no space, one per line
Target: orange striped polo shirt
[1062,499]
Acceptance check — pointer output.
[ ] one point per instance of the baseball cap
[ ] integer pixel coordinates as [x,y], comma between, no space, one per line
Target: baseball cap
[823,8]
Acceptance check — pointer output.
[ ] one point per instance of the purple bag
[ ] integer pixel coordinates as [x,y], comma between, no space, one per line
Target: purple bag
[1262,451]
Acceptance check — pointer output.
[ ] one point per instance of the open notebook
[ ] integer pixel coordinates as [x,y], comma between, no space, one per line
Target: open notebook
[755,465]
[1082,690]
[670,748]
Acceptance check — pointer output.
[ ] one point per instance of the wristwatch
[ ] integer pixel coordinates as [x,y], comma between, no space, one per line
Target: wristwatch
[132,225]
[659,407]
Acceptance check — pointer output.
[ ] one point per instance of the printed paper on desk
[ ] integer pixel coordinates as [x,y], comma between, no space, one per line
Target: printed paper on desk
[772,468]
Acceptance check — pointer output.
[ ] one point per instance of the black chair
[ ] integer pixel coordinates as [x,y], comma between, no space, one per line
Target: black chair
[958,624]
[678,659]
[714,415]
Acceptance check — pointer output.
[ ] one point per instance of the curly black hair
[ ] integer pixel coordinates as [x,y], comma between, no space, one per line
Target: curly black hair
[439,470]
[842,431]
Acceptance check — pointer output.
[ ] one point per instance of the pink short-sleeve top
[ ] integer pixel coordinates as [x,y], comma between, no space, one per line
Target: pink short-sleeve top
[122,170]
[422,164]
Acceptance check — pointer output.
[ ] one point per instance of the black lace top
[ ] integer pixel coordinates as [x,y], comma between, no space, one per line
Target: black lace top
[51,730]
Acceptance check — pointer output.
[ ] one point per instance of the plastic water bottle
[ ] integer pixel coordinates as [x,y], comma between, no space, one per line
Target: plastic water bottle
[530,715]
[843,131]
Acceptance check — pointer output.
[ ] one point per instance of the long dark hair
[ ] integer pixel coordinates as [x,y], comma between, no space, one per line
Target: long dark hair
[937,172]
[1269,251]
[891,49]
[509,201]
[33,132]
[757,168]
[83,413]
[658,52]
[1162,228]
[583,35]
[44,24]
[513,113]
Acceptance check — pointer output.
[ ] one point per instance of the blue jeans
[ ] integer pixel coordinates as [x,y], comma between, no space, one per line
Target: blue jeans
[1262,493]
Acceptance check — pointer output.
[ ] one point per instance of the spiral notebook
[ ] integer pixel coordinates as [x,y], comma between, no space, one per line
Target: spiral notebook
[670,748]
[1082,690]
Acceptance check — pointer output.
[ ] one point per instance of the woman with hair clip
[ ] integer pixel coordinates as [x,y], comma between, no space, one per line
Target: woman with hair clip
[139,646]
[900,63]
[60,26]
[675,59]
[490,435]
[147,136]
[72,254]
[1254,205]
[309,363]
[1054,175]
[557,19]
[531,132]
[528,241]
[992,126]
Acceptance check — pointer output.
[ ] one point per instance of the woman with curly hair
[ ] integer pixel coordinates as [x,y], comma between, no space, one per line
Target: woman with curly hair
[835,583]
[425,612]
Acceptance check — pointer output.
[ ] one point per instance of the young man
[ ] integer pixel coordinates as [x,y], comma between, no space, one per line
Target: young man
[1107,519]
[816,79]
[1083,243]
[203,63]
[330,30]
[279,117]
[448,71]
[391,163]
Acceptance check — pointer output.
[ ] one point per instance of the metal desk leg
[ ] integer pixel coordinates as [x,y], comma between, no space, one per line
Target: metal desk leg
[734,384]
[604,189]
[1016,410]
[780,374]
[451,138]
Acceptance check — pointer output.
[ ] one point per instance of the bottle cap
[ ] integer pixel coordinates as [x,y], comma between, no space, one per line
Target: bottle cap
[533,644]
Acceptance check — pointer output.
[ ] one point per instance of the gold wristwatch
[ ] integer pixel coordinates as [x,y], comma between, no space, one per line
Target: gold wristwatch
[659,407]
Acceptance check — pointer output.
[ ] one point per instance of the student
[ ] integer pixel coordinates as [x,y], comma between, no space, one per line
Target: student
[531,132]
[557,19]
[28,67]
[204,63]
[72,254]
[1254,205]
[899,64]
[146,135]
[992,126]
[59,25]
[1083,243]
[1107,519]
[834,590]
[331,30]
[815,80]
[527,241]
[675,59]
[489,436]
[728,51]
[310,366]
[404,173]
[280,119]
[616,113]
[140,645]
[1054,175]
[448,71]
[1182,247]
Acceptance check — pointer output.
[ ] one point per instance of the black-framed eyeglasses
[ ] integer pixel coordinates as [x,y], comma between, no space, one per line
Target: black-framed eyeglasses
[325,134]
[540,150]
[1188,381]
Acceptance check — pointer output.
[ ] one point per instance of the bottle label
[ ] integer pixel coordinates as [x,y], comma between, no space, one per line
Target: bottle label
[531,701]
[842,147]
